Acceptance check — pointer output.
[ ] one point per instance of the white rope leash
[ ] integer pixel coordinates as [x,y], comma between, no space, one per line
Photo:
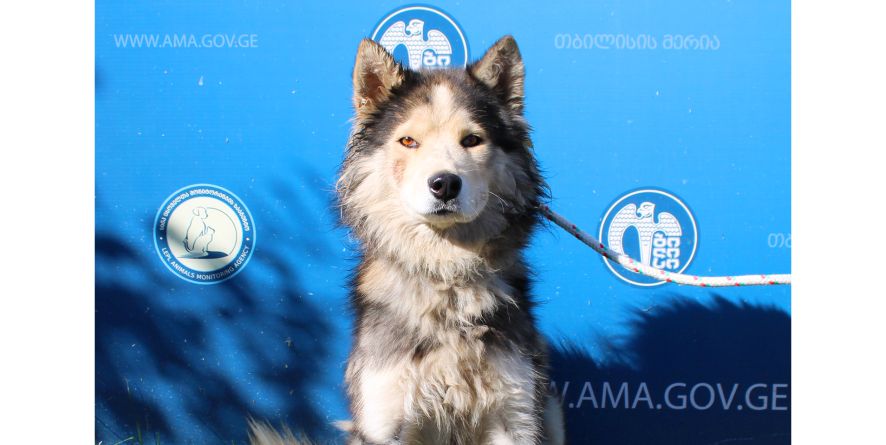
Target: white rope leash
[661,275]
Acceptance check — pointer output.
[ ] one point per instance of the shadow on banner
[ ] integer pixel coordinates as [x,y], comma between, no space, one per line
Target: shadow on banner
[687,374]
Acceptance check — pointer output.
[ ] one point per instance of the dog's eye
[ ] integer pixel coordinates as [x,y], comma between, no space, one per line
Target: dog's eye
[408,142]
[471,140]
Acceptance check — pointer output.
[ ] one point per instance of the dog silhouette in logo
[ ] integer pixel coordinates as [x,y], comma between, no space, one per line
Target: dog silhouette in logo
[435,51]
[199,235]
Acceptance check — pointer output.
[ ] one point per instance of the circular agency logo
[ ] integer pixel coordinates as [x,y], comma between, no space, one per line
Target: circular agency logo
[651,225]
[204,234]
[422,37]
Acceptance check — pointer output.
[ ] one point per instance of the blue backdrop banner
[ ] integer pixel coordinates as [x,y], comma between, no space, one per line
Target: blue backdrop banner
[222,275]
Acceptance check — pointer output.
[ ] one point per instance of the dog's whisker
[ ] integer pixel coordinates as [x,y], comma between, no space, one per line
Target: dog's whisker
[504,205]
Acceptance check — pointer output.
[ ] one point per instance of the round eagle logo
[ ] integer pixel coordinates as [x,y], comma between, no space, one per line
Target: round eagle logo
[422,37]
[653,226]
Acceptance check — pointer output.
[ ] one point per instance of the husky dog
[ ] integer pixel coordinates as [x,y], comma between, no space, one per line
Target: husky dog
[440,186]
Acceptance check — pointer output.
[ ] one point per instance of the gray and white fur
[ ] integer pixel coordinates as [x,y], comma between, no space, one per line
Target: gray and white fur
[440,186]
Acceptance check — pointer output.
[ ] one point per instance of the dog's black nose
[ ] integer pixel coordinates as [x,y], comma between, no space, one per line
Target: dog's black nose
[445,186]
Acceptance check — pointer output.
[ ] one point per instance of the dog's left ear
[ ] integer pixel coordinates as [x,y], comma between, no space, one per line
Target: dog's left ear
[501,69]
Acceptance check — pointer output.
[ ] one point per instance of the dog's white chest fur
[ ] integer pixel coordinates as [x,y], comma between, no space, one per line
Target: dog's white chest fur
[460,383]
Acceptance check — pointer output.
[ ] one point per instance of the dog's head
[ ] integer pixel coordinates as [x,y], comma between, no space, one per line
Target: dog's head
[439,155]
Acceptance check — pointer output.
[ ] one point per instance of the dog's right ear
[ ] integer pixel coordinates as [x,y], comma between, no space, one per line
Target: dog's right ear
[376,73]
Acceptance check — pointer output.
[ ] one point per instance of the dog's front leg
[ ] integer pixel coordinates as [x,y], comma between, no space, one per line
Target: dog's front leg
[377,403]
[515,428]
[517,419]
